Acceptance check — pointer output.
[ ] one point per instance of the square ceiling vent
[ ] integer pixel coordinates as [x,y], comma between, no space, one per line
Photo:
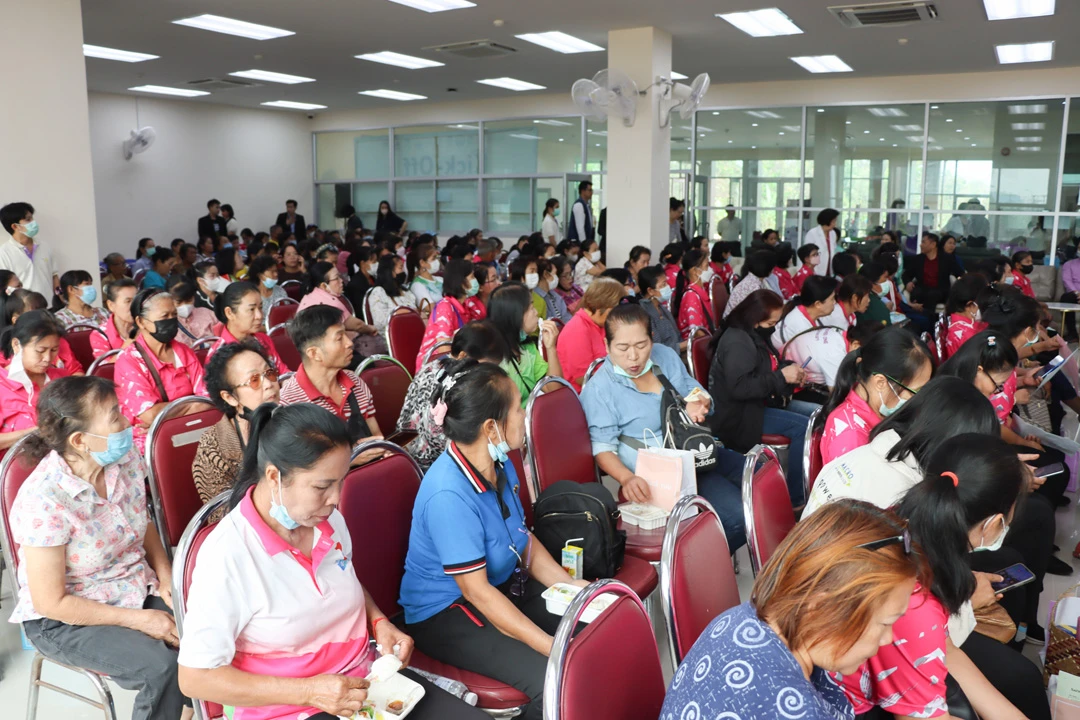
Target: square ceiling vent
[474,49]
[906,12]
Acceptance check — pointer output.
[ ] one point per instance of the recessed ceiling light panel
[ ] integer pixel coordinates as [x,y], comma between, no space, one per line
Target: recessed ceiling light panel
[822,63]
[1027,109]
[229,26]
[1014,9]
[434,6]
[906,128]
[768,22]
[393,95]
[294,105]
[162,90]
[560,42]
[96,51]
[763,114]
[553,123]
[1025,53]
[509,83]
[887,112]
[274,77]
[1029,126]
[1029,139]
[397,59]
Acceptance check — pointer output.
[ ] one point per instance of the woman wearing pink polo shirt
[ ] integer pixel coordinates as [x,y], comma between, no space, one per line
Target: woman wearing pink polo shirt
[582,340]
[30,347]
[690,304]
[118,328]
[239,308]
[873,382]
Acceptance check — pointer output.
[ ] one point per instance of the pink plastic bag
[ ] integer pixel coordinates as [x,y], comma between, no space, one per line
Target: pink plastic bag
[669,473]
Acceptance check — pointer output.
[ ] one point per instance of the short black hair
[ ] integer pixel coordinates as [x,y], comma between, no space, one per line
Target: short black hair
[843,264]
[181,287]
[260,265]
[583,186]
[211,202]
[217,369]
[14,213]
[292,202]
[310,325]
[806,251]
[826,216]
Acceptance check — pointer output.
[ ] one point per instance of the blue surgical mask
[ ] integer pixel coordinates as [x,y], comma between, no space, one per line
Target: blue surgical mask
[278,511]
[555,212]
[150,251]
[88,294]
[499,453]
[474,288]
[1029,343]
[227,246]
[30,229]
[631,292]
[884,410]
[665,294]
[269,283]
[522,335]
[119,446]
[619,371]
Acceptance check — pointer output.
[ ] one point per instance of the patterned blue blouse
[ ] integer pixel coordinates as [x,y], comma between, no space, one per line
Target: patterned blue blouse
[740,669]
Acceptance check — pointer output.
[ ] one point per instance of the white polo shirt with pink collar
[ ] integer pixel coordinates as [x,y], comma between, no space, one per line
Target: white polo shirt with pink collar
[259,604]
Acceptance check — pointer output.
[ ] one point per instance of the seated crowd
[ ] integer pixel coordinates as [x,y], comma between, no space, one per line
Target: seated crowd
[874,605]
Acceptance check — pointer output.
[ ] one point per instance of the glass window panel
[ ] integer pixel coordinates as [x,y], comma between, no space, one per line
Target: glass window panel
[443,150]
[864,157]
[543,190]
[531,146]
[508,205]
[682,136]
[1070,179]
[1003,154]
[415,203]
[366,198]
[328,204]
[596,146]
[459,209]
[1003,233]
[346,155]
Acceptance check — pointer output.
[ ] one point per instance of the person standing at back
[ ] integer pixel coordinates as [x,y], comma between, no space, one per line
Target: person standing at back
[212,224]
[30,261]
[825,236]
[581,226]
[292,222]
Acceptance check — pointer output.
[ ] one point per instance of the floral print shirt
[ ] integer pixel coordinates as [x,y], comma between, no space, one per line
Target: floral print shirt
[416,417]
[69,318]
[446,317]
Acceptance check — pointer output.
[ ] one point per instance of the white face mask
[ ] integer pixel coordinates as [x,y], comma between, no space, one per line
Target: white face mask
[595,256]
[706,276]
[532,280]
[886,288]
[996,545]
[433,266]
[184,311]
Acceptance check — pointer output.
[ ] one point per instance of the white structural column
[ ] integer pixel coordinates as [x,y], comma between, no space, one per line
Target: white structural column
[45,129]
[638,158]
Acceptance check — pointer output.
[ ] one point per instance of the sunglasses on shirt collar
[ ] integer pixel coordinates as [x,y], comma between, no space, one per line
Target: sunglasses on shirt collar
[902,539]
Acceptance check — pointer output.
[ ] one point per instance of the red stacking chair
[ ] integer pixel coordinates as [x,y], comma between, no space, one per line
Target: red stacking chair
[14,470]
[138,277]
[440,348]
[170,451]
[104,366]
[187,550]
[366,308]
[281,312]
[389,382]
[766,505]
[941,333]
[294,289]
[404,335]
[523,487]
[611,669]
[78,337]
[557,435]
[594,366]
[812,461]
[699,356]
[284,346]
[377,503]
[719,295]
[201,347]
[697,577]
[928,339]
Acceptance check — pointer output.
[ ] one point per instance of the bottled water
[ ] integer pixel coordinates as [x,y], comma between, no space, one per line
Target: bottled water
[454,687]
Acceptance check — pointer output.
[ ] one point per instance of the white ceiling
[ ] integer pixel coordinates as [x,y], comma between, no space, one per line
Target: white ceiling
[330,32]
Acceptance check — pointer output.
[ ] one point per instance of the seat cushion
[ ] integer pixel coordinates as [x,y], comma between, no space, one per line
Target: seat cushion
[775,440]
[492,694]
[638,575]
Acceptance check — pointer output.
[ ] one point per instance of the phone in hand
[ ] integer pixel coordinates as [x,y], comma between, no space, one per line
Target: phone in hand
[1048,470]
[1013,576]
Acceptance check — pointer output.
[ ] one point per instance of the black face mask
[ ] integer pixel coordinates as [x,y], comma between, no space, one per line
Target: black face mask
[1027,269]
[400,277]
[165,330]
[765,332]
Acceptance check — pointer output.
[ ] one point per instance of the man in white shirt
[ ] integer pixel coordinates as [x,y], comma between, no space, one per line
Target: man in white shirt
[581,227]
[31,262]
[729,228]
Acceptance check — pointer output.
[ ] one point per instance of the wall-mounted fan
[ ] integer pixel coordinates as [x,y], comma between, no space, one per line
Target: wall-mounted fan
[681,97]
[610,93]
[139,142]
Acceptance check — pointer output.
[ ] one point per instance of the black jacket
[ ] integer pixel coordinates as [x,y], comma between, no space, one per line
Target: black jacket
[212,227]
[948,268]
[301,225]
[741,382]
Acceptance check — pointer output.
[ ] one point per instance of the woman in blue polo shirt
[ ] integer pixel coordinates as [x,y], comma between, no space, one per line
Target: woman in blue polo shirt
[474,573]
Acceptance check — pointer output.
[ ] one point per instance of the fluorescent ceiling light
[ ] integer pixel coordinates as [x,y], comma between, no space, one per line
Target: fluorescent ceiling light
[294,105]
[553,123]
[601,133]
[406,61]
[822,63]
[392,95]
[1025,53]
[887,112]
[1027,109]
[96,51]
[510,83]
[1013,9]
[1029,139]
[700,129]
[1029,148]
[523,136]
[792,128]
[272,77]
[560,42]
[769,22]
[162,90]
[1029,126]
[763,114]
[464,127]
[918,138]
[906,128]
[679,76]
[216,23]
[433,6]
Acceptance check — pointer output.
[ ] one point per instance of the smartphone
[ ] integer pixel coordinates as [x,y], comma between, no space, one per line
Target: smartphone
[1013,577]
[1046,369]
[1048,470]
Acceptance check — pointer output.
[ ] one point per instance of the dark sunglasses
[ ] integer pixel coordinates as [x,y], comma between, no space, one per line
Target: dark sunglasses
[256,380]
[903,539]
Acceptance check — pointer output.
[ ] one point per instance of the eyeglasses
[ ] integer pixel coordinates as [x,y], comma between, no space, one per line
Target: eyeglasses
[256,380]
[999,387]
[901,385]
[903,539]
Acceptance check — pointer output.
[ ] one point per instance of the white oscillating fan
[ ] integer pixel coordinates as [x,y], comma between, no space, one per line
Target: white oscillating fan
[610,93]
[684,98]
[139,142]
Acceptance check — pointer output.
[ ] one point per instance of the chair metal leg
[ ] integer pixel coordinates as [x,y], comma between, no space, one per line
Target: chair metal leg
[104,702]
[35,678]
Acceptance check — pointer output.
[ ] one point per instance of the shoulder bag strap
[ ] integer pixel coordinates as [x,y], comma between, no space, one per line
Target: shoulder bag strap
[153,371]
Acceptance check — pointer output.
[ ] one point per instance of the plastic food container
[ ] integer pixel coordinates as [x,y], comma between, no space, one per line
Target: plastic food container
[560,595]
[647,517]
[380,694]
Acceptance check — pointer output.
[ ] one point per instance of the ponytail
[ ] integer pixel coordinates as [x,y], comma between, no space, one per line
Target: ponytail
[682,282]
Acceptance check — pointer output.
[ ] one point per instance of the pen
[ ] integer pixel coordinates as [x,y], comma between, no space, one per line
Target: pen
[807,362]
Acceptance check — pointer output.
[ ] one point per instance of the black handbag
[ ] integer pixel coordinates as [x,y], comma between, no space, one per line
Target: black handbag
[587,514]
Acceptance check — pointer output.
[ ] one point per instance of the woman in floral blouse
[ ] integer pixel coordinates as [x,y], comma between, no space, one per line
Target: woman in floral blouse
[94,580]
[73,305]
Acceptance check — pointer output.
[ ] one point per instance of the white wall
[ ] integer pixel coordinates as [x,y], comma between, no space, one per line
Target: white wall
[252,159]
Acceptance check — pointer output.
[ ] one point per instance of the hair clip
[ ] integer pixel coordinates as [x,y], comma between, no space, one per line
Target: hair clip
[992,341]
[438,412]
[951,476]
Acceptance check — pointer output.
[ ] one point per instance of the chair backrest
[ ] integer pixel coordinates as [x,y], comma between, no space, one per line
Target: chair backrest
[523,486]
[557,435]
[593,367]
[377,502]
[348,305]
[767,507]
[719,295]
[404,335]
[699,356]
[366,309]
[138,277]
[697,576]
[285,347]
[202,346]
[14,469]
[440,348]
[928,339]
[294,289]
[281,312]
[187,552]
[104,366]
[78,337]
[941,333]
[812,459]
[170,452]
[389,382]
[611,669]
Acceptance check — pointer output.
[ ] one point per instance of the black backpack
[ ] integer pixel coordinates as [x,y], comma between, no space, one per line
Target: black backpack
[569,510]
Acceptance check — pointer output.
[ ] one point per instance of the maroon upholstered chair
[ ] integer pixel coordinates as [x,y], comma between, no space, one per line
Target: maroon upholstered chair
[285,348]
[611,669]
[281,312]
[700,356]
[719,295]
[812,460]
[523,487]
[404,335]
[294,289]
[697,577]
[187,551]
[377,503]
[767,507]
[104,366]
[170,452]
[78,337]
